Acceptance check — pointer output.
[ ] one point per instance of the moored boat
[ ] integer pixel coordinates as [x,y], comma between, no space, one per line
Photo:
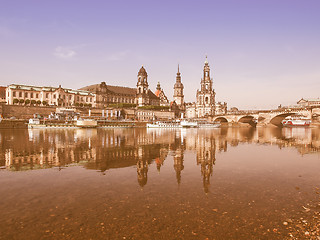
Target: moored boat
[208,125]
[188,124]
[164,124]
[296,121]
[86,123]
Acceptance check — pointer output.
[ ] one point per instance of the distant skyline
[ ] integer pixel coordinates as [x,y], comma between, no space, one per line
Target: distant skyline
[261,53]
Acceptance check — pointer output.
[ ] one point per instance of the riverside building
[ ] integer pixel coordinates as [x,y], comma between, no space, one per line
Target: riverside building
[48,96]
[140,96]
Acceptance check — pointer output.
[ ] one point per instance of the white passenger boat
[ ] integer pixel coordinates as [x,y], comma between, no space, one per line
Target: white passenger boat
[296,121]
[208,125]
[86,123]
[188,124]
[164,124]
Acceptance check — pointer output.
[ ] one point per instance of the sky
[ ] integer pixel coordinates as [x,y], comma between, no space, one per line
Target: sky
[262,53]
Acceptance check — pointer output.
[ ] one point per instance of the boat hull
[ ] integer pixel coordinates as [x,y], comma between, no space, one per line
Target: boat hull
[296,123]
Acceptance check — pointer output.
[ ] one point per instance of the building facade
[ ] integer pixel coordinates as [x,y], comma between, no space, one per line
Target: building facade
[140,96]
[48,96]
[205,105]
[2,94]
[144,95]
[221,108]
[309,102]
[162,97]
[107,94]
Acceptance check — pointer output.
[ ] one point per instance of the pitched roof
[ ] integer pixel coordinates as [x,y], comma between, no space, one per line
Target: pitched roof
[157,92]
[152,95]
[309,100]
[122,90]
[114,89]
[117,90]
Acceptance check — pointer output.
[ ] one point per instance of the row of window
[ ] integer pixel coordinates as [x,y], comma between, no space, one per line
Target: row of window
[145,113]
[36,95]
[120,100]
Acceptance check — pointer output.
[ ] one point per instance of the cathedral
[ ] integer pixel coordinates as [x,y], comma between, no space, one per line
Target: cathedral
[205,96]
[205,104]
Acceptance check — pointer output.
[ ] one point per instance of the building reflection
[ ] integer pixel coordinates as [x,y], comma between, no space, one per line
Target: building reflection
[102,150]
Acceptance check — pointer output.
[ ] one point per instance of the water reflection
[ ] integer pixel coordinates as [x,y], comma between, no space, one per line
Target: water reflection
[103,150]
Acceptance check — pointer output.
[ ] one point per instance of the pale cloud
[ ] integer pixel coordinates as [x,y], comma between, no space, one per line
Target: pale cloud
[64,52]
[117,56]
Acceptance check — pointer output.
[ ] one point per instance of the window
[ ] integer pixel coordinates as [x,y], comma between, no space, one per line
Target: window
[14,94]
[37,95]
[31,95]
[26,94]
[70,97]
[77,98]
[54,96]
[47,95]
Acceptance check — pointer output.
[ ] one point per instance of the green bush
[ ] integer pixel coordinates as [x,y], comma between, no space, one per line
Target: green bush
[27,101]
[154,107]
[21,101]
[33,102]
[44,103]
[15,101]
[38,102]
[81,104]
[122,105]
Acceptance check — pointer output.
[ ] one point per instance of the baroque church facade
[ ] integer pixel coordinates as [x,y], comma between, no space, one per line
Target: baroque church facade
[205,104]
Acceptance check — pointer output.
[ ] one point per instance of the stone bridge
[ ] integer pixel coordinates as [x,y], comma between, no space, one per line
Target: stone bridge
[265,117]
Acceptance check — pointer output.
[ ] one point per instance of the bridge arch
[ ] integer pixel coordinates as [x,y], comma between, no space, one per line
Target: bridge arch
[248,119]
[278,118]
[221,120]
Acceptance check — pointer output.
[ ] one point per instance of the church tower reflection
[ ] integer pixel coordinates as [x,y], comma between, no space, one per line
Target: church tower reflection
[142,168]
[178,163]
[206,157]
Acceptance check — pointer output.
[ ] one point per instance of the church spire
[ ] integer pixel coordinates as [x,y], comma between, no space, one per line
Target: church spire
[178,89]
[158,86]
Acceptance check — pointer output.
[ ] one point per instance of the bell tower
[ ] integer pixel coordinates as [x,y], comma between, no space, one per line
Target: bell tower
[206,81]
[142,88]
[178,90]
[206,95]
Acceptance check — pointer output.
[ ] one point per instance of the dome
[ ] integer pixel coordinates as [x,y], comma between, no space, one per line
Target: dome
[142,72]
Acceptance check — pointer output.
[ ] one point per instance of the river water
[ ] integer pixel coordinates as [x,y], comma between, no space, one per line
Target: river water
[229,183]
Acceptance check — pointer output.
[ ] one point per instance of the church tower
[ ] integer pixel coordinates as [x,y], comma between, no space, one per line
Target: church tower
[206,95]
[142,97]
[178,90]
